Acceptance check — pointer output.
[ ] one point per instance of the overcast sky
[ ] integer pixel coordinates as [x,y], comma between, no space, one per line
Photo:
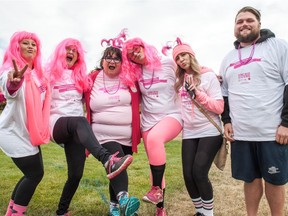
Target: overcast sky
[207,25]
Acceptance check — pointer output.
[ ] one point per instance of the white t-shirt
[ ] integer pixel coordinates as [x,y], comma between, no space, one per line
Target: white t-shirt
[159,98]
[255,90]
[195,123]
[14,137]
[66,100]
[111,112]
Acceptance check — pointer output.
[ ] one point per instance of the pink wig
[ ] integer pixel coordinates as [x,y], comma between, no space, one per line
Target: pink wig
[132,70]
[58,64]
[13,52]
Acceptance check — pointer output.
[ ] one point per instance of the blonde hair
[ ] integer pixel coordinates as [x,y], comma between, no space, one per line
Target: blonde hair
[180,73]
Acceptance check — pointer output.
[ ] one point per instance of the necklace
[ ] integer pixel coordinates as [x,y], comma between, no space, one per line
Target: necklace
[151,83]
[247,60]
[111,87]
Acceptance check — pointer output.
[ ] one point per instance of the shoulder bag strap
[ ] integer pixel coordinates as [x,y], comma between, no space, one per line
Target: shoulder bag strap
[207,115]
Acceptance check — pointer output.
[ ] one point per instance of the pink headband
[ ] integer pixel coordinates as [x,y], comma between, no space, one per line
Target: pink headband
[118,41]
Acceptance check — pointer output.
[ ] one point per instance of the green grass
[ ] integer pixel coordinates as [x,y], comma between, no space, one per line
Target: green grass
[92,196]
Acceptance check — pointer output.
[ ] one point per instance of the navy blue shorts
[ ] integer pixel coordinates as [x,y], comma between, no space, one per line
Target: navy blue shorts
[267,160]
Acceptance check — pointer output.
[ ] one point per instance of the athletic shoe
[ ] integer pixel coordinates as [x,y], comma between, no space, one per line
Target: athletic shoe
[129,206]
[154,196]
[66,214]
[198,214]
[161,212]
[116,165]
[114,211]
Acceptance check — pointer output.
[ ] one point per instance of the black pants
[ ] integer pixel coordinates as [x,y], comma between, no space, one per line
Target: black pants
[32,168]
[120,182]
[197,158]
[76,135]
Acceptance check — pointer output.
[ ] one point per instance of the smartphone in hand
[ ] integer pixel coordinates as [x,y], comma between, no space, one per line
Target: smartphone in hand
[190,92]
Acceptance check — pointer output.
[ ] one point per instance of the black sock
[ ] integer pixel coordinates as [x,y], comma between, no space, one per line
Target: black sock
[157,174]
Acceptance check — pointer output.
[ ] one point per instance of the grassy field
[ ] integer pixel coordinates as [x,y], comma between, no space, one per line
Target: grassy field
[92,196]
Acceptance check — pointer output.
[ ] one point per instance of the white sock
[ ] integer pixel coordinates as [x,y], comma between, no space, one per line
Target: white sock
[208,207]
[198,204]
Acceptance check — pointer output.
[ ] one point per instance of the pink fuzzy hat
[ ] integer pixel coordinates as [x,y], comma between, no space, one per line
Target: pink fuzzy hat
[181,48]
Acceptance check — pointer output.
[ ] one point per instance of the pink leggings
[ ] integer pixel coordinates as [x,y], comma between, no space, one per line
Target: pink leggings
[155,139]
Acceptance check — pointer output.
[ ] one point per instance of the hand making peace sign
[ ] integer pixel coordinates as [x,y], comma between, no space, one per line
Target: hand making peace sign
[16,75]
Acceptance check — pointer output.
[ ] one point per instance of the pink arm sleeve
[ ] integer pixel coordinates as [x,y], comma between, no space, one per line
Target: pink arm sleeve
[213,105]
[13,87]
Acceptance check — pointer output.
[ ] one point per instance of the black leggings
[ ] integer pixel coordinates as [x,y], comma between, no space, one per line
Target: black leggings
[32,168]
[197,157]
[76,135]
[120,182]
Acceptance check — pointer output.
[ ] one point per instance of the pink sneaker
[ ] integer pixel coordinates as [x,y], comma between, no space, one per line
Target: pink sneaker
[117,164]
[154,196]
[161,212]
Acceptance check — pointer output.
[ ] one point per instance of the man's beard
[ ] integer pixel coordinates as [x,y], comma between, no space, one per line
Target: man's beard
[247,38]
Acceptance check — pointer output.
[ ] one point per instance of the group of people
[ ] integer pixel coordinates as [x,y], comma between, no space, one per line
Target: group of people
[134,74]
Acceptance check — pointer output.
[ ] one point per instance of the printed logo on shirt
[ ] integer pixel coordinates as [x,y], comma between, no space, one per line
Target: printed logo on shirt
[64,88]
[187,104]
[153,94]
[67,92]
[186,101]
[183,92]
[114,98]
[244,77]
[154,80]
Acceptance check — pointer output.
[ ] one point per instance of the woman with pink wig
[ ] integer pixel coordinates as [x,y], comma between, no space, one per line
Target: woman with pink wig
[24,122]
[68,125]
[161,111]
[201,140]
